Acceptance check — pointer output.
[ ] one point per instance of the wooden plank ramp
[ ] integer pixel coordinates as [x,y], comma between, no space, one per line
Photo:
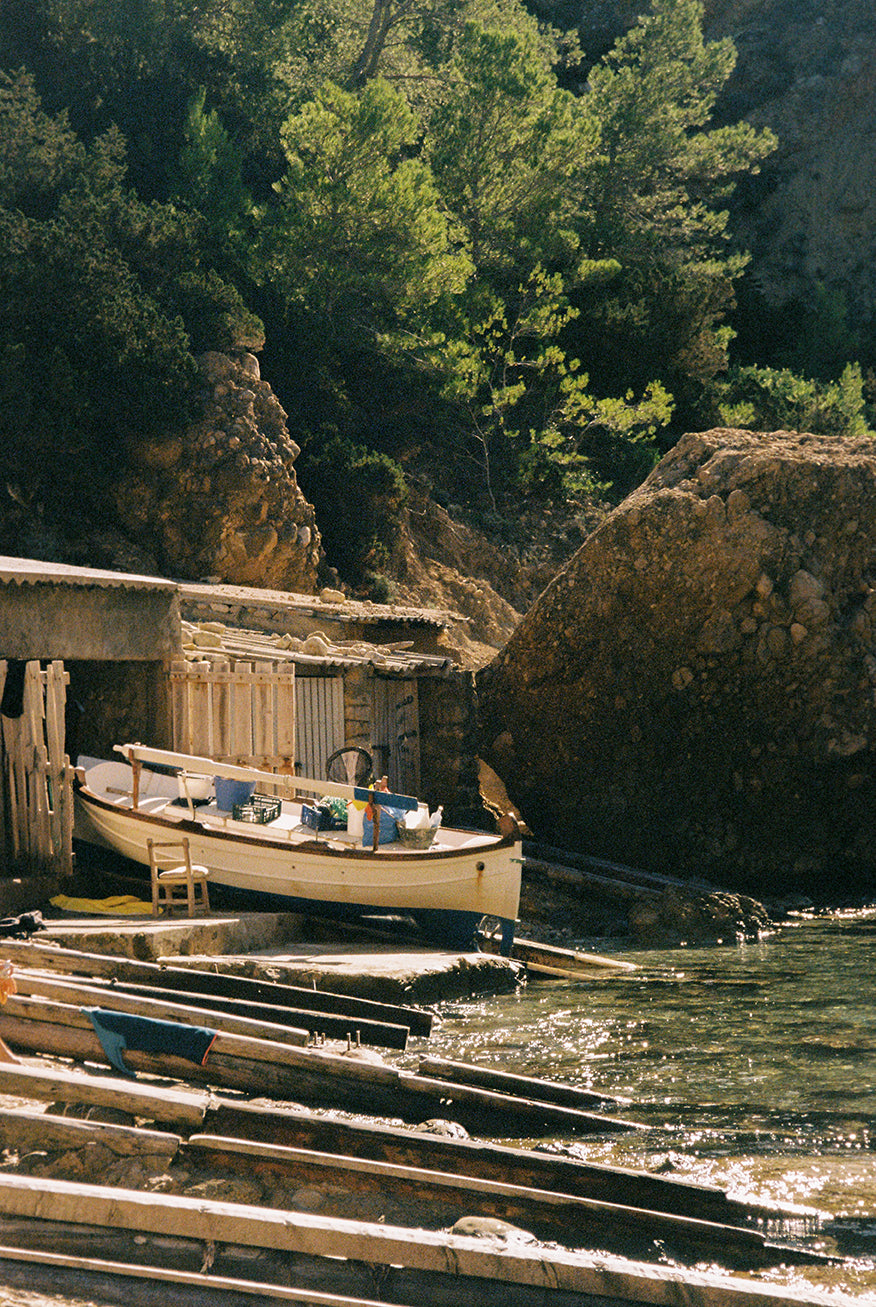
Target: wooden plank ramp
[192,1113]
[113,999]
[208,971]
[532,1168]
[445,1260]
[54,1272]
[548,1091]
[423,1198]
[434,1199]
[449,1261]
[260,1066]
[47,1131]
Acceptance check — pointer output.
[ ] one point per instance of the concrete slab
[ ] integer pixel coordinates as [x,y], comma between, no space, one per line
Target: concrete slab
[272,946]
[383,973]
[148,939]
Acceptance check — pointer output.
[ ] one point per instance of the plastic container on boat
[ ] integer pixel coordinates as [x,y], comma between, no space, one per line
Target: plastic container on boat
[193,786]
[355,819]
[230,792]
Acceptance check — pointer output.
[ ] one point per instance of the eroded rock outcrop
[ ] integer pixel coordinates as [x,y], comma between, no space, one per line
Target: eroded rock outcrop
[696,691]
[221,498]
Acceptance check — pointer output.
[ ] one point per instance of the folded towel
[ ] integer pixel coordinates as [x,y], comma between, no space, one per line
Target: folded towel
[118,1031]
[120,905]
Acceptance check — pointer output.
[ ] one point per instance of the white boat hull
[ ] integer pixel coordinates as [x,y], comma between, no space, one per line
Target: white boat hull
[463,877]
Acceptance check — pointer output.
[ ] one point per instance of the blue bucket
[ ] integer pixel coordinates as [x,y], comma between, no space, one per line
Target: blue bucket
[230,792]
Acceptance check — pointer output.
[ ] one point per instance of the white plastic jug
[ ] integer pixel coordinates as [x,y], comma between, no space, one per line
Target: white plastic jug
[355,820]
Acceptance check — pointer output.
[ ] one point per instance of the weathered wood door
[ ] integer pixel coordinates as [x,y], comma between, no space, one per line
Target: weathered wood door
[395,733]
[36,795]
[320,708]
[242,713]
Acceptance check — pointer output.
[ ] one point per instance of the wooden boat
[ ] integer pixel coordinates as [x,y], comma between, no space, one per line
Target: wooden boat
[284,864]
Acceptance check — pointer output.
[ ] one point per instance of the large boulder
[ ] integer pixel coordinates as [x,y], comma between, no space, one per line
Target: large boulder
[695,692]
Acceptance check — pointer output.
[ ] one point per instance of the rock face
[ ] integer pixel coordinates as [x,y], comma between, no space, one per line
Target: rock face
[696,691]
[805,69]
[221,499]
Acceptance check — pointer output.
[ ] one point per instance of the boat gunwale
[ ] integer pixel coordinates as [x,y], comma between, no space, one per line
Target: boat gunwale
[308,847]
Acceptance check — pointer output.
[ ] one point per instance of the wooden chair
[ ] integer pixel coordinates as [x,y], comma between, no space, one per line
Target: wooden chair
[175,881]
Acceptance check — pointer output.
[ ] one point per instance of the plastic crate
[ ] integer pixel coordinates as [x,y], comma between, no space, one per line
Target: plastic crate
[261,809]
[313,817]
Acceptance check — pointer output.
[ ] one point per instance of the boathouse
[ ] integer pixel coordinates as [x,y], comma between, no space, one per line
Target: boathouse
[91,658]
[82,652]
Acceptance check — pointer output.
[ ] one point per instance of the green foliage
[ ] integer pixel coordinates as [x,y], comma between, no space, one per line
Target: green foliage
[536,425]
[211,176]
[359,237]
[776,399]
[653,191]
[358,495]
[508,148]
[100,298]
[456,258]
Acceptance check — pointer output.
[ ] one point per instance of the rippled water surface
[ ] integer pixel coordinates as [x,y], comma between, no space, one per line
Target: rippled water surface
[753,1067]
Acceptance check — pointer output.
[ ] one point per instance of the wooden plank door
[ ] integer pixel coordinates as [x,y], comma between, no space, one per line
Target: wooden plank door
[319,716]
[396,733]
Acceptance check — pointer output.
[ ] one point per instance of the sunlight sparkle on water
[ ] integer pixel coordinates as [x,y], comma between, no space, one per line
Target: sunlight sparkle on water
[752,1069]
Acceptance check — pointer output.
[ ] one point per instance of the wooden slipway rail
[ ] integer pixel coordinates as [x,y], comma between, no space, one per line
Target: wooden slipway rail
[463,1270]
[208,979]
[188,1113]
[306,1075]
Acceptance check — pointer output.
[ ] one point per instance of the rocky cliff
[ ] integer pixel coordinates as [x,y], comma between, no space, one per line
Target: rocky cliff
[806,69]
[695,692]
[221,497]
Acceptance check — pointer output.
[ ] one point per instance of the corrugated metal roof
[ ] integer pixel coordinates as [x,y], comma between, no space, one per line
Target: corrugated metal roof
[234,644]
[33,571]
[351,610]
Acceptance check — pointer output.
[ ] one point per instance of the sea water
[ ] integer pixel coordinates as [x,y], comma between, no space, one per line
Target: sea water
[752,1066]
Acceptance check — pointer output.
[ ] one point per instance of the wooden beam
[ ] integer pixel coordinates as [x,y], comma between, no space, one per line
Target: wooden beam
[110,997]
[298,1128]
[381,1034]
[194,1281]
[138,754]
[25,1130]
[166,1103]
[473,1157]
[193,978]
[450,1258]
[260,1066]
[547,1091]
[551,1216]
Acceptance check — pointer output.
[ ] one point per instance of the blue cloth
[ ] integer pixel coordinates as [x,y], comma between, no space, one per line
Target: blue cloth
[388,832]
[118,1031]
